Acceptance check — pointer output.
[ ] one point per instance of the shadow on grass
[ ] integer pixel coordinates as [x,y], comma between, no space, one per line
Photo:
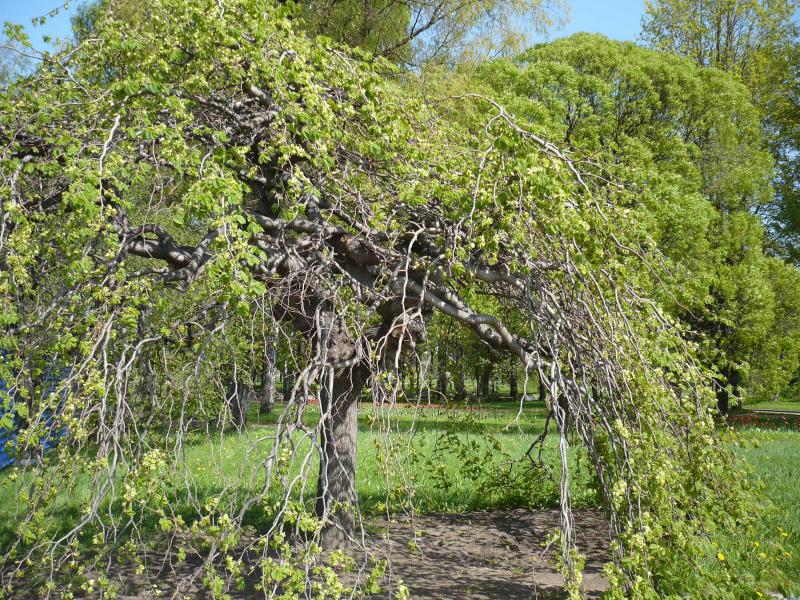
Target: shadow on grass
[407,420]
[226,465]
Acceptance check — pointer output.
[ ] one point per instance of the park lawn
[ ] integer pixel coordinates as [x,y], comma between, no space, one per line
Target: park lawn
[452,460]
[775,457]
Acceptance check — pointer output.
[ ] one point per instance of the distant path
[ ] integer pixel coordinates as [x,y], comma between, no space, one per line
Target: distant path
[766,411]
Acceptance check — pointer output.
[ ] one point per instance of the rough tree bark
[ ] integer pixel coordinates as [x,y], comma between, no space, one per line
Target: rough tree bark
[731,380]
[512,380]
[336,488]
[268,381]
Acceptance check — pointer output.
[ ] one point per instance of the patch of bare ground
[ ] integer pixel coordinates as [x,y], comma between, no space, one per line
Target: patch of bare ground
[488,555]
[471,556]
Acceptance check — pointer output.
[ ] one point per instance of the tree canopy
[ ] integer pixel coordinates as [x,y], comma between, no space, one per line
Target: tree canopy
[406,33]
[688,142]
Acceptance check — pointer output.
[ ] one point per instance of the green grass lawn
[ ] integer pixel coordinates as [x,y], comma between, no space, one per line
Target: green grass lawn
[775,458]
[447,460]
[452,459]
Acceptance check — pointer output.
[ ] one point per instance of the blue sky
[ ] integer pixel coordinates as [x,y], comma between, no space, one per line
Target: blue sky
[22,11]
[618,19]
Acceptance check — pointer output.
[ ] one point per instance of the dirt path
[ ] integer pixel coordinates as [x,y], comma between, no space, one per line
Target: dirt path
[488,555]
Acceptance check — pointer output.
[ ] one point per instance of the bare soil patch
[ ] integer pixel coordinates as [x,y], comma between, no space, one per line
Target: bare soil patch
[471,556]
[488,555]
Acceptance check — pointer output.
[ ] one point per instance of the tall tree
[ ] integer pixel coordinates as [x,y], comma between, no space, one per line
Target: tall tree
[421,31]
[13,62]
[757,41]
[732,35]
[689,140]
[407,33]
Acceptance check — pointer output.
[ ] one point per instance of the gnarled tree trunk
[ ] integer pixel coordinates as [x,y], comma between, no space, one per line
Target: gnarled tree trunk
[513,390]
[268,381]
[336,489]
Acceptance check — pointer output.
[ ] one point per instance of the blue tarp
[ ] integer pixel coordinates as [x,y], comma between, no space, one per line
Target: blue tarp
[8,437]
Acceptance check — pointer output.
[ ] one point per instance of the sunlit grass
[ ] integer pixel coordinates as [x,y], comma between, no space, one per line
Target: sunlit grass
[436,460]
[428,460]
[774,457]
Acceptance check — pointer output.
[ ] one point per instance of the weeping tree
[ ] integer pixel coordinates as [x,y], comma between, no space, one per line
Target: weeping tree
[197,183]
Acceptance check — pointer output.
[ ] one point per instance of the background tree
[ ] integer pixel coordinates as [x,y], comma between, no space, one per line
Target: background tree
[689,141]
[406,33]
[13,63]
[731,35]
[419,32]
[756,41]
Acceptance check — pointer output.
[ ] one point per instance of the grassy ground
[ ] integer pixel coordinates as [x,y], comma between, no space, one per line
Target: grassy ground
[773,456]
[453,460]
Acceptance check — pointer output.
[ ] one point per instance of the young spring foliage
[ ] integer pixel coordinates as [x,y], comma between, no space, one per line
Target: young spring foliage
[758,42]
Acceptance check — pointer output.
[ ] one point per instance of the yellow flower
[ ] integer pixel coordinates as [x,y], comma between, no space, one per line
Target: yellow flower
[721,557]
